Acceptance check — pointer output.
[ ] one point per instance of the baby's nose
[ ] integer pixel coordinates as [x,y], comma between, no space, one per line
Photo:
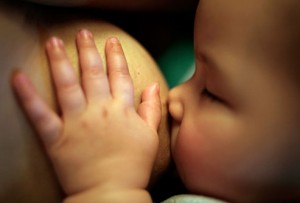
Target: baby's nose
[175,104]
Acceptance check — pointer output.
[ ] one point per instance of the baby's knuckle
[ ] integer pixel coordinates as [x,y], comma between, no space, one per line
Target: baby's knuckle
[94,71]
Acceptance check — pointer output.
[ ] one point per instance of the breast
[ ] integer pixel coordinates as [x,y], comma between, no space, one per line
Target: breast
[25,173]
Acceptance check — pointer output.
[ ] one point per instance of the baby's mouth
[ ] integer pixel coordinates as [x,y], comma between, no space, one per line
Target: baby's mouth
[175,126]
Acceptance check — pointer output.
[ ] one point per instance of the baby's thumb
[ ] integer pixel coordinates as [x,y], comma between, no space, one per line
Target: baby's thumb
[150,107]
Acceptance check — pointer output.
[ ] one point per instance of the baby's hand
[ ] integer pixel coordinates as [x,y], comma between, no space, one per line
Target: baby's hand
[99,141]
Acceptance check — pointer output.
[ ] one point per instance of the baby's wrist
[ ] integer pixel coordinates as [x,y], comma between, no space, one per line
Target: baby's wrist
[132,195]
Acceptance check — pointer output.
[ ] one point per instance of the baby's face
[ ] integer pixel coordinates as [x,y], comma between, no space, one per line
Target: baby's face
[236,132]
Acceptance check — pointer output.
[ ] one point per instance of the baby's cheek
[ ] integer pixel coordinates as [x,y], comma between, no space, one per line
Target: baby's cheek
[187,152]
[203,154]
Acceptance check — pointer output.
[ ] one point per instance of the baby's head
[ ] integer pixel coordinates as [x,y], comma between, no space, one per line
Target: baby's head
[236,132]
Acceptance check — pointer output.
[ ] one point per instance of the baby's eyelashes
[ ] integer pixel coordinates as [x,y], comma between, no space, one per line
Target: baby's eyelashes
[210,95]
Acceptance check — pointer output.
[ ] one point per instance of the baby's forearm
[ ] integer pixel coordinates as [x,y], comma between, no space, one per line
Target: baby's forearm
[113,196]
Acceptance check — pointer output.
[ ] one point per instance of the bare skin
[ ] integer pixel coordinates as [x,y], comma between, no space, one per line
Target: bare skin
[235,133]
[92,136]
[236,121]
[30,177]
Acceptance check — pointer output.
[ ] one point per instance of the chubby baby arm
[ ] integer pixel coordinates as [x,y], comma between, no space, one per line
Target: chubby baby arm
[102,149]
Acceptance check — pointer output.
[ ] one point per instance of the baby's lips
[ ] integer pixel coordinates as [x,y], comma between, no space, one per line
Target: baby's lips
[174,131]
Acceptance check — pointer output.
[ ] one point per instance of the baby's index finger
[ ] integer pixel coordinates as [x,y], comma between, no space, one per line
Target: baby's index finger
[68,89]
[119,78]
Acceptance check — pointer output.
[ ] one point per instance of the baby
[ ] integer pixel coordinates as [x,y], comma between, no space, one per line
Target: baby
[235,134]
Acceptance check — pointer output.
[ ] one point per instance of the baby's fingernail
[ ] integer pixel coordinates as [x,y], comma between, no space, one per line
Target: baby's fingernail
[154,87]
[21,84]
[55,42]
[84,33]
[114,40]
[19,79]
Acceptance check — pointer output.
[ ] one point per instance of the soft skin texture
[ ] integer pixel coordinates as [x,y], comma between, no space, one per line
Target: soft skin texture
[101,147]
[236,132]
[25,174]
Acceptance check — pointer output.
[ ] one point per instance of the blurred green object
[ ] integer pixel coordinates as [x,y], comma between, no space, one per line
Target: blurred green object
[177,63]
